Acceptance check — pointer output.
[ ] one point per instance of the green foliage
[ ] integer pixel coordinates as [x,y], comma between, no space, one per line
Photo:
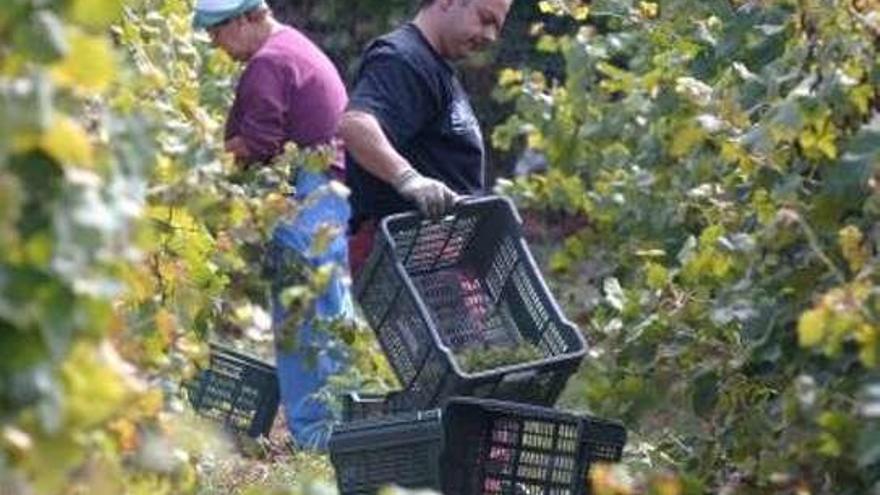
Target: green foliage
[726,276]
[476,359]
[128,238]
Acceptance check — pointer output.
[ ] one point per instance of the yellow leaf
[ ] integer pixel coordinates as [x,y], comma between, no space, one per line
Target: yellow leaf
[819,139]
[721,265]
[685,140]
[94,389]
[850,239]
[605,480]
[827,147]
[811,327]
[808,140]
[536,140]
[96,14]
[666,484]
[547,7]
[648,10]
[67,142]
[861,97]
[89,65]
[509,76]
[867,337]
[126,434]
[734,153]
[580,12]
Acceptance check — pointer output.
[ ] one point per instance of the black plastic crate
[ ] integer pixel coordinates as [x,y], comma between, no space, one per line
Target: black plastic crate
[436,291]
[403,450]
[475,447]
[236,390]
[495,448]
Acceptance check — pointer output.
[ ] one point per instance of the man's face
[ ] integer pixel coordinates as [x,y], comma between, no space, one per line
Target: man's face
[472,25]
[230,36]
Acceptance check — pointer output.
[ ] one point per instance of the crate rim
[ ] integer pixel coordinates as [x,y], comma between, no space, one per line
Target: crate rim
[500,405]
[423,311]
[430,423]
[550,413]
[244,357]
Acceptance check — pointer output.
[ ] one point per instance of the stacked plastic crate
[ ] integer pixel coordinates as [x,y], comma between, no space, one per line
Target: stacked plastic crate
[483,351]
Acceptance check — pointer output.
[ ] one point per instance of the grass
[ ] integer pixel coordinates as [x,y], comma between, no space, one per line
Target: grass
[271,465]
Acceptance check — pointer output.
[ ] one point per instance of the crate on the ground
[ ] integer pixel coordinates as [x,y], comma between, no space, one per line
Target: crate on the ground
[475,447]
[236,390]
[402,449]
[460,308]
[494,447]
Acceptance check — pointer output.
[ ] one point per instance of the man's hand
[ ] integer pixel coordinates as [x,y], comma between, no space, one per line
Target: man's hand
[366,141]
[432,197]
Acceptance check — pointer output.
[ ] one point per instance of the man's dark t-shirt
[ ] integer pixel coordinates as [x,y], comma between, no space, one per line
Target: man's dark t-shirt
[425,113]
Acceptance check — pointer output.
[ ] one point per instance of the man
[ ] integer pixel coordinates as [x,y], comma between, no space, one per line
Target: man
[289,91]
[410,132]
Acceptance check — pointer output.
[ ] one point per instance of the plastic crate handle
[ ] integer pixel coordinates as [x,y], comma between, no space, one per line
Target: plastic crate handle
[464,202]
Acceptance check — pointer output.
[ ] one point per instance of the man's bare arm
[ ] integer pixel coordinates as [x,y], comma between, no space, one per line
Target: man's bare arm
[368,144]
[366,141]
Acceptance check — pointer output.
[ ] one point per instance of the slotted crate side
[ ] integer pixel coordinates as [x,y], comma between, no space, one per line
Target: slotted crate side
[514,281]
[502,262]
[434,376]
[446,268]
[260,386]
[425,247]
[603,440]
[462,310]
[238,391]
[393,314]
[403,449]
[504,449]
[409,466]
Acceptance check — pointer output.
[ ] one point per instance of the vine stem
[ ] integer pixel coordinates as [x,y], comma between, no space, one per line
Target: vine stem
[813,240]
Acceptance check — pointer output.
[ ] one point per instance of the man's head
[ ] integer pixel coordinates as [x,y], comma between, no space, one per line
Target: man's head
[461,27]
[238,27]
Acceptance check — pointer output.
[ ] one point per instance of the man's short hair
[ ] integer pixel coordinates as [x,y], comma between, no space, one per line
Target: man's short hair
[427,3]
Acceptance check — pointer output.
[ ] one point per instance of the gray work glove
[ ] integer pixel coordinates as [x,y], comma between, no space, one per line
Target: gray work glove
[432,197]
